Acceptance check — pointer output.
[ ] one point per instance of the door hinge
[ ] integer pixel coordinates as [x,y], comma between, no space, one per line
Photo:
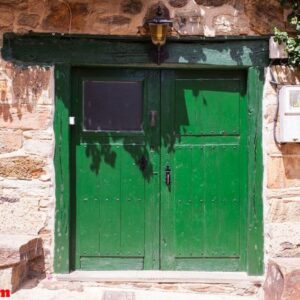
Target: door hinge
[71,120]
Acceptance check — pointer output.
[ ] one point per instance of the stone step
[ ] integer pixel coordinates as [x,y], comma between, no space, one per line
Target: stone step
[283,279]
[15,253]
[61,290]
[232,283]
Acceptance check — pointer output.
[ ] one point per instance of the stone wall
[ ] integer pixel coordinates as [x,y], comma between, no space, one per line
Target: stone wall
[282,177]
[26,152]
[125,17]
[27,102]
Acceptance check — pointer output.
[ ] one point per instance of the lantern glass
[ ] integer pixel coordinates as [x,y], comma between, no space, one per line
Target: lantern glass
[158,33]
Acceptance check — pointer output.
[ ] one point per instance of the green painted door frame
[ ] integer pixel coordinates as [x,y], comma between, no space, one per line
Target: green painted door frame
[66,51]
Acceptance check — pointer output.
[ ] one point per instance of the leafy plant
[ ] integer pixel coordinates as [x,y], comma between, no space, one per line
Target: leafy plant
[291,40]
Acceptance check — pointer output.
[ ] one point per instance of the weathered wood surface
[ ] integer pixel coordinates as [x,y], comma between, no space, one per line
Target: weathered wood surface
[61,160]
[255,171]
[49,49]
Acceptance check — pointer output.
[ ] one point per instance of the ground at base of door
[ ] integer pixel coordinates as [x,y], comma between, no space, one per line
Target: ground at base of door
[50,289]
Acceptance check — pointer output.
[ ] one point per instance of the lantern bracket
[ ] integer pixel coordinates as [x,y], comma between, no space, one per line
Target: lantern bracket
[159,26]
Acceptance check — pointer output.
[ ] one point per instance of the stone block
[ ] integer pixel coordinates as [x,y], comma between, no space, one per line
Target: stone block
[41,135]
[25,189]
[283,172]
[10,140]
[80,12]
[7,16]
[58,16]
[264,15]
[284,210]
[37,147]
[285,73]
[283,279]
[283,239]
[212,2]
[21,118]
[118,20]
[134,7]
[11,2]
[21,167]
[24,217]
[29,20]
[18,248]
[283,193]
[230,23]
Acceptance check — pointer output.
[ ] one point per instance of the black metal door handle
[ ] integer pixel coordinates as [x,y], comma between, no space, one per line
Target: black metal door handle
[168,175]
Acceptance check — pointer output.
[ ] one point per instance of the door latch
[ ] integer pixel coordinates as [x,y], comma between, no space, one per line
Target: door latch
[168,175]
[153,118]
[143,162]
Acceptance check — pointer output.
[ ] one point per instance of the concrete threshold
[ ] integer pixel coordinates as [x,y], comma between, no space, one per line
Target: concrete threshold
[161,277]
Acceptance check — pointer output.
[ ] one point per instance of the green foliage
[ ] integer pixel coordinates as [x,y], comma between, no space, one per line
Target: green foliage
[292,41]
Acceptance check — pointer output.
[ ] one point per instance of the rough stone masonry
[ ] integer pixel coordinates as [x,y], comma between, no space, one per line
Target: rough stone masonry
[27,180]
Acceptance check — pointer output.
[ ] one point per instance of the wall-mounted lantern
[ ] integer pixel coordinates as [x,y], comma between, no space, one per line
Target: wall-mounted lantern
[159,28]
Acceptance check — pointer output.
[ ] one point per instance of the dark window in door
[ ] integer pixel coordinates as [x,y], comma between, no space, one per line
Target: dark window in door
[112,105]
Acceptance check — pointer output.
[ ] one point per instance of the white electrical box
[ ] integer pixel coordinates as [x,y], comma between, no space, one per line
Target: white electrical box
[289,112]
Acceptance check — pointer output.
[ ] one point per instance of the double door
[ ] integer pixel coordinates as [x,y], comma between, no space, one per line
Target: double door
[159,169]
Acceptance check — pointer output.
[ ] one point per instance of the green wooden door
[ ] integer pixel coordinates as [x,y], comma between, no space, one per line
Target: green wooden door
[203,214]
[159,190]
[115,168]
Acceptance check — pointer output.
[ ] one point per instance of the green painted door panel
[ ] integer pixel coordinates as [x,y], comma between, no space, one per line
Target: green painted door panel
[127,217]
[208,204]
[115,170]
[204,137]
[200,102]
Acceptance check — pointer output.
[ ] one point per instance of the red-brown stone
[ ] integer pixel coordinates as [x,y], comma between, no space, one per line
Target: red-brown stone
[212,2]
[114,19]
[11,2]
[283,279]
[58,17]
[132,7]
[6,16]
[21,167]
[80,11]
[30,20]
[264,15]
[178,3]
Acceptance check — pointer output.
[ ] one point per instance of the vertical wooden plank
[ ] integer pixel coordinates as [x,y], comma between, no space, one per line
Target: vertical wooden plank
[62,168]
[211,201]
[182,201]
[229,219]
[110,207]
[132,207]
[152,185]
[167,224]
[255,171]
[87,202]
[243,161]
[198,184]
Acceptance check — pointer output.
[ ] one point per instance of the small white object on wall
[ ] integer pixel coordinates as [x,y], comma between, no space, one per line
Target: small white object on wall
[71,120]
[276,51]
[289,112]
